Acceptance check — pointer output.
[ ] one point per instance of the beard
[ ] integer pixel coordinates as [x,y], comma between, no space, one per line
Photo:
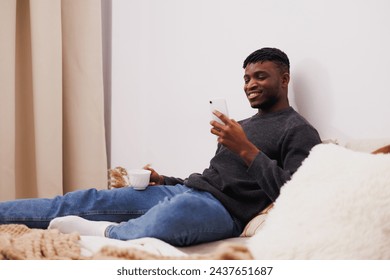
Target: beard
[266,104]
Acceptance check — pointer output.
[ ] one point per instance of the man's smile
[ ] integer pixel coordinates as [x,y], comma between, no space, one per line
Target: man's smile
[254,94]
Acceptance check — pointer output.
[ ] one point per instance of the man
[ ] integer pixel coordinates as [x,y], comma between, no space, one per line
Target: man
[254,158]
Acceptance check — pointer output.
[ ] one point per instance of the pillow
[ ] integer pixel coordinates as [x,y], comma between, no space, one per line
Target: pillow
[256,223]
[336,206]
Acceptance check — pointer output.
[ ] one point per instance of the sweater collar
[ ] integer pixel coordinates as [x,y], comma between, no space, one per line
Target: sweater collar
[270,115]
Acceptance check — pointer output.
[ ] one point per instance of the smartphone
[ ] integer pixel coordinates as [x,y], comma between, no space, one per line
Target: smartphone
[220,105]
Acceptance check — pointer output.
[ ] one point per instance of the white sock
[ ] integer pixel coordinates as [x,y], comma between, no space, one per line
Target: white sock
[70,224]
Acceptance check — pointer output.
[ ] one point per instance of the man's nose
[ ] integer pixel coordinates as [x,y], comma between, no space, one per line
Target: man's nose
[251,84]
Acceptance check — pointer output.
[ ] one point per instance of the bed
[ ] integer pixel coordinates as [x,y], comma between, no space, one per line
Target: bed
[336,206]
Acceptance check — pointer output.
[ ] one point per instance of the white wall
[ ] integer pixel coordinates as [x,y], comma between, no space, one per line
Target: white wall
[170,57]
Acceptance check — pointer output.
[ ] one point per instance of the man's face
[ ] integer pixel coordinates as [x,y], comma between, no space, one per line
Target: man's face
[266,86]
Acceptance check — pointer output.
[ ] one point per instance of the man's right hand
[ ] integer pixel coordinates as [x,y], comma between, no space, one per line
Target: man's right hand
[232,136]
[155,178]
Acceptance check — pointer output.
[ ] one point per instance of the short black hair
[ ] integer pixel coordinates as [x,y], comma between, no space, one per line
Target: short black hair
[269,54]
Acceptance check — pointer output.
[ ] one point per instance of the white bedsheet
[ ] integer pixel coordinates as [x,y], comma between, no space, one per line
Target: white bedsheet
[92,244]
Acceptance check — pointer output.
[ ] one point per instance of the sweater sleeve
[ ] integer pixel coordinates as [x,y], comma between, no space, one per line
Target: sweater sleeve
[171,181]
[294,148]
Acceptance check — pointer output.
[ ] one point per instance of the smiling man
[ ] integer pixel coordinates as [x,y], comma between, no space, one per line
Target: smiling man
[253,160]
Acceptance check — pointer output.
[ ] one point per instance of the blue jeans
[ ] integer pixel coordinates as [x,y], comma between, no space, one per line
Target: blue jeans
[178,214]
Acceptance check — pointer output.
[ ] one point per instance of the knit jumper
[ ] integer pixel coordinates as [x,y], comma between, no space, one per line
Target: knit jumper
[284,139]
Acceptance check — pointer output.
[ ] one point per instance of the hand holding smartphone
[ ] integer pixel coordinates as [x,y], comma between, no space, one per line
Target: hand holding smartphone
[220,105]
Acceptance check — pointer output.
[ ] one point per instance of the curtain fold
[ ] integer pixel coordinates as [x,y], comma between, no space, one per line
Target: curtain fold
[51,87]
[7,98]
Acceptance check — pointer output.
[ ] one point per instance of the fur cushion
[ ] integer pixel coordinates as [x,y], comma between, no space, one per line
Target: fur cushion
[336,206]
[118,177]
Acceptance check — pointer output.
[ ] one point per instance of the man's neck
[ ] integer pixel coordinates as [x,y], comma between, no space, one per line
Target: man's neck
[277,108]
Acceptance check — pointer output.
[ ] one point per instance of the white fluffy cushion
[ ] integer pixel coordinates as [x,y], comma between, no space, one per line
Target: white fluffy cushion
[336,206]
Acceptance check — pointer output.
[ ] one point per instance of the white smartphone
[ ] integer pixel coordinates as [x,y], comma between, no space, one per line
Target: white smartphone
[220,105]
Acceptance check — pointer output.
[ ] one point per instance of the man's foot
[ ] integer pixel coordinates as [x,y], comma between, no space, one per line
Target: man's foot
[70,224]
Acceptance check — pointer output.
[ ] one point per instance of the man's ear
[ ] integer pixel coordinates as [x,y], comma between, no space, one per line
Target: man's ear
[285,79]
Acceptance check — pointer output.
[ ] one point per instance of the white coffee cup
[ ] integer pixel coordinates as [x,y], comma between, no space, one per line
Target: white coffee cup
[139,178]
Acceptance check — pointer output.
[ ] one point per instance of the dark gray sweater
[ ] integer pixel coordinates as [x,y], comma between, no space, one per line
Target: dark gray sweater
[284,139]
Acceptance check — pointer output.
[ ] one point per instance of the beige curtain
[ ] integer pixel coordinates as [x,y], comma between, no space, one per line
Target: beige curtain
[52,137]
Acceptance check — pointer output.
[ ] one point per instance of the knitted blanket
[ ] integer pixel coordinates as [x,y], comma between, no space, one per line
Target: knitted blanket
[18,242]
